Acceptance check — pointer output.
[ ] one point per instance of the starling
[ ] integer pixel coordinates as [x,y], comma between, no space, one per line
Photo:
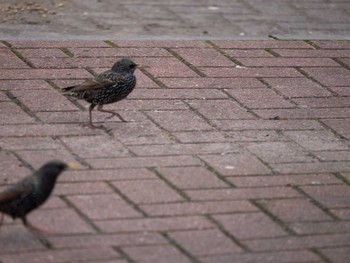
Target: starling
[108,87]
[31,192]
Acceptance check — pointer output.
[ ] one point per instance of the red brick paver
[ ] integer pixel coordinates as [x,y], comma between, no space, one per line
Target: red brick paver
[234,151]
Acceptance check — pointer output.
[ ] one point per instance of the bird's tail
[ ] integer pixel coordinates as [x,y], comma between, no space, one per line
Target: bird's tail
[72,94]
[66,91]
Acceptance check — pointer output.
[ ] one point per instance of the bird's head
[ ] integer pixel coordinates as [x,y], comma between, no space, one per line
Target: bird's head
[124,65]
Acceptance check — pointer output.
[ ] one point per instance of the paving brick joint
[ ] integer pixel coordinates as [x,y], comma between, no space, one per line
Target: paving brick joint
[234,151]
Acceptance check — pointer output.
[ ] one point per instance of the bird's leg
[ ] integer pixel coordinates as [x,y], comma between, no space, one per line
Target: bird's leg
[31,227]
[37,232]
[100,108]
[91,125]
[1,219]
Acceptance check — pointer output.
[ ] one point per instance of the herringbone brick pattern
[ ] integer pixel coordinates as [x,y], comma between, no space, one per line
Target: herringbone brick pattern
[234,151]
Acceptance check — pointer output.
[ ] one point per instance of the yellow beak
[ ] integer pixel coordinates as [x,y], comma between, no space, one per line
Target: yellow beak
[141,66]
[74,166]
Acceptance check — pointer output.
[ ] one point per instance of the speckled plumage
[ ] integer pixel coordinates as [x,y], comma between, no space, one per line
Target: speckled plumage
[30,192]
[108,87]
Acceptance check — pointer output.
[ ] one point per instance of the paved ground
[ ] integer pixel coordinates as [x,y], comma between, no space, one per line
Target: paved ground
[232,19]
[234,152]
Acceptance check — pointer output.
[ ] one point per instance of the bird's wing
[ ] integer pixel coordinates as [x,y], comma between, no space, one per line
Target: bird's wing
[91,84]
[21,189]
[11,194]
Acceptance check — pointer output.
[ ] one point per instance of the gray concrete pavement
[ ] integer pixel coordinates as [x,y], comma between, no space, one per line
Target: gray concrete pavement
[207,19]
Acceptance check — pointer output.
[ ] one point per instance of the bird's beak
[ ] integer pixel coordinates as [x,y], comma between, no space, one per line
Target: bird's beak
[74,166]
[141,66]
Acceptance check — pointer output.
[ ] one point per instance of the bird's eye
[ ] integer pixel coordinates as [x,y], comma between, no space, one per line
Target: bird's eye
[132,66]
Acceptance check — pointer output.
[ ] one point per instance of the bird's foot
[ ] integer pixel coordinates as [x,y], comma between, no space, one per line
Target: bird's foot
[92,126]
[113,113]
[37,230]
[40,234]
[116,114]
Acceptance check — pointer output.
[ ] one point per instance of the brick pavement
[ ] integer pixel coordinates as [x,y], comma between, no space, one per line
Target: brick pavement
[234,151]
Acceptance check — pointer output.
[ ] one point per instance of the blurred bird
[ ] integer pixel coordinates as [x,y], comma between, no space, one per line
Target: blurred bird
[31,192]
[108,87]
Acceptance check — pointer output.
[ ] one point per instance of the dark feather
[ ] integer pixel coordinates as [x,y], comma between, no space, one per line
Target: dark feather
[30,192]
[91,84]
[10,195]
[108,87]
